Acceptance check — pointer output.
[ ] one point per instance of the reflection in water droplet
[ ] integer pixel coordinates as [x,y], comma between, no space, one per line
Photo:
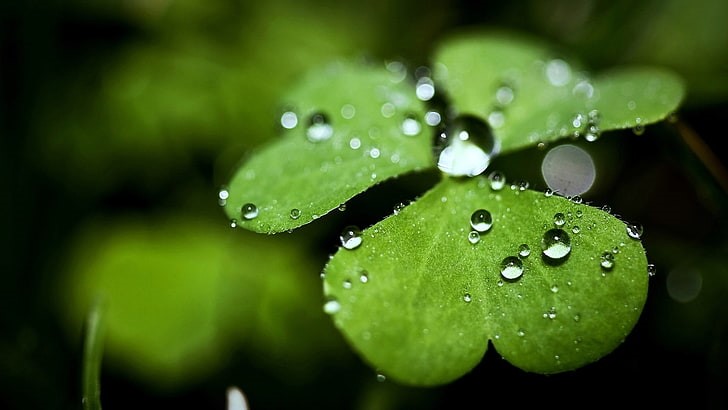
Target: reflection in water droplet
[634,231]
[473,237]
[466,147]
[351,237]
[511,268]
[295,213]
[497,180]
[481,220]
[332,306]
[524,250]
[319,128]
[556,244]
[607,261]
[249,211]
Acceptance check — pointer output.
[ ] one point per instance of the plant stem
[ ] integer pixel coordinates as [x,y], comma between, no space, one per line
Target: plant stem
[92,355]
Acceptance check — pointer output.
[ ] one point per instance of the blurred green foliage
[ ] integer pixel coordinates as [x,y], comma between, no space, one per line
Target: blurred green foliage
[119,121]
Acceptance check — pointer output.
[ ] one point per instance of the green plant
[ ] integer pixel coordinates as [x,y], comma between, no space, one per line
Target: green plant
[553,282]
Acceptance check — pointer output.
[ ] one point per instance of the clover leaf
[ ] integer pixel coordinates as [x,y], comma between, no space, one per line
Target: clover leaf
[553,283]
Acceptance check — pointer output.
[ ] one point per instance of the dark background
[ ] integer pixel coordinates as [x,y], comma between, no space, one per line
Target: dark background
[143,108]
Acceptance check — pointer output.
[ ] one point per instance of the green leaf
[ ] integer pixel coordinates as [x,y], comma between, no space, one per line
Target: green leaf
[365,108]
[531,93]
[420,302]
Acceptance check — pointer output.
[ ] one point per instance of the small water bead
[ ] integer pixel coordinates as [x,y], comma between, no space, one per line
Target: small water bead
[249,211]
[381,378]
[496,119]
[524,250]
[511,268]
[559,219]
[579,213]
[521,333]
[465,147]
[411,126]
[651,269]
[550,314]
[473,237]
[467,298]
[606,261]
[364,277]
[319,128]
[638,129]
[634,231]
[520,185]
[575,229]
[348,111]
[346,284]
[556,244]
[374,153]
[497,180]
[558,72]
[351,237]
[481,220]
[554,288]
[425,89]
[354,143]
[295,213]
[577,317]
[504,95]
[233,223]
[222,196]
[548,193]
[332,306]
[388,109]
[289,120]
[432,118]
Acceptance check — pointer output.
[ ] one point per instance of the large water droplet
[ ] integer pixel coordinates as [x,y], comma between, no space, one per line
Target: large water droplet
[556,244]
[634,231]
[558,72]
[466,147]
[511,268]
[249,211]
[351,237]
[319,128]
[606,261]
[481,220]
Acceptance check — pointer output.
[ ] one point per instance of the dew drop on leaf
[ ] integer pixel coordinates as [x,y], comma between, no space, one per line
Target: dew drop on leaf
[481,220]
[634,231]
[364,277]
[524,250]
[249,211]
[332,306]
[351,237]
[289,120]
[606,261]
[556,244]
[559,219]
[511,268]
[295,213]
[473,237]
[465,147]
[651,270]
[467,298]
[319,129]
[497,180]
[411,126]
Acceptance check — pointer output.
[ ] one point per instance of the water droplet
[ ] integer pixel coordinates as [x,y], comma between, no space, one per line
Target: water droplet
[222,196]
[319,128]
[496,119]
[374,153]
[364,277]
[388,109]
[577,317]
[481,220]
[348,111]
[289,120]
[351,237]
[465,147]
[634,231]
[638,129]
[332,306]
[568,169]
[550,314]
[346,284]
[593,132]
[521,333]
[425,88]
[579,213]
[559,219]
[524,250]
[473,237]
[548,193]
[381,378]
[342,207]
[354,143]
[607,261]
[411,126]
[295,213]
[556,244]
[504,95]
[432,118]
[467,298]
[249,211]
[558,72]
[651,269]
[497,180]
[511,268]
[233,223]
[520,185]
[555,288]
[575,229]
[500,283]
